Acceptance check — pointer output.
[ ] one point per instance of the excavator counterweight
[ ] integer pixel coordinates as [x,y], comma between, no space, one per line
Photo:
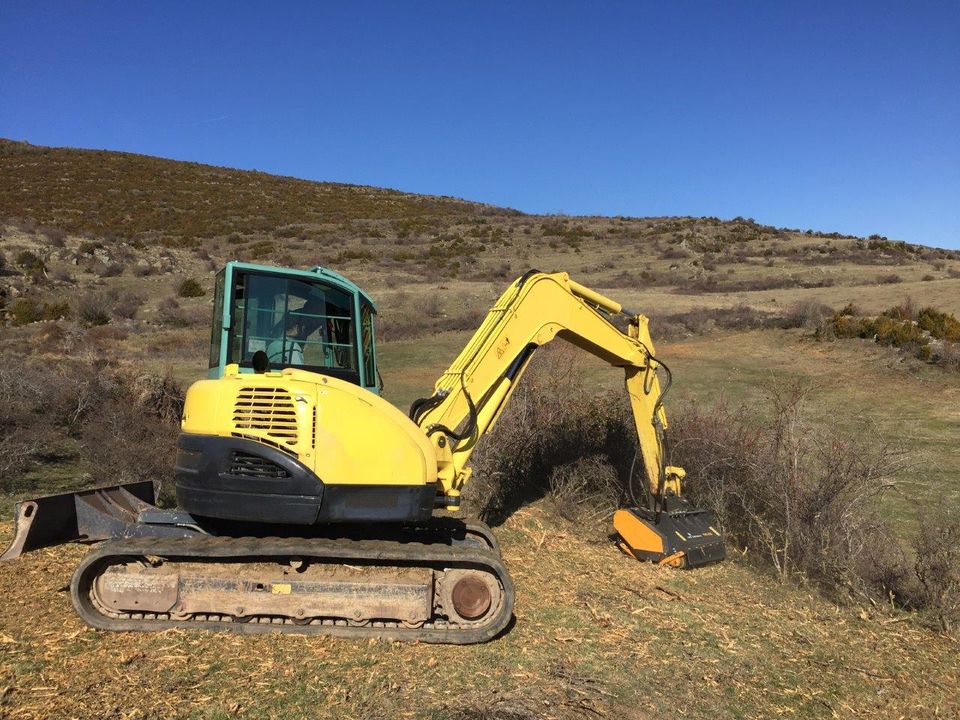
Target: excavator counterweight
[307,502]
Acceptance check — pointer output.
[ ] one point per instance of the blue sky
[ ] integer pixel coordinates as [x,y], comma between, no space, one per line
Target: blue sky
[833,116]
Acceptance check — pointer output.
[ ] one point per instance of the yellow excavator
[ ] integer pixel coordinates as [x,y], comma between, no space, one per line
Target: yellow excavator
[306,502]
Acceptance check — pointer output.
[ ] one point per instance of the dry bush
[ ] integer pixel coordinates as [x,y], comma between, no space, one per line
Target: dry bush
[124,304]
[143,270]
[107,422]
[798,495]
[170,313]
[946,355]
[405,319]
[105,270]
[92,310]
[132,432]
[105,337]
[586,492]
[937,567]
[55,236]
[701,321]
[807,314]
[674,253]
[552,421]
[30,262]
[24,311]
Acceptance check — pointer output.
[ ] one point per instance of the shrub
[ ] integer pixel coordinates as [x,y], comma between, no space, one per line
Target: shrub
[24,311]
[808,314]
[30,263]
[674,253]
[87,247]
[143,270]
[931,335]
[190,288]
[92,310]
[124,304]
[56,310]
[904,311]
[890,279]
[800,496]
[108,269]
[943,326]
[55,236]
[170,313]
[552,435]
[115,425]
[262,249]
[937,567]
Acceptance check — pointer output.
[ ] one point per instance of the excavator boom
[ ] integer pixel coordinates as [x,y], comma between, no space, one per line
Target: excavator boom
[472,393]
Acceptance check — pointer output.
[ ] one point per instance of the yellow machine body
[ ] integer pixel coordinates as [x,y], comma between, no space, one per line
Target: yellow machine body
[343,433]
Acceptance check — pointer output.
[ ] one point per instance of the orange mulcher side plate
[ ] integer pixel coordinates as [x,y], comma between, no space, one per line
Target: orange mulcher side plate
[681,538]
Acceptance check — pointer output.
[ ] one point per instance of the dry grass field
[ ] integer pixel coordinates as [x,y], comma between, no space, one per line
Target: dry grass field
[95,249]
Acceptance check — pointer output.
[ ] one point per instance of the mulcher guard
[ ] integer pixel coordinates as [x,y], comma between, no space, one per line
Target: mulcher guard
[102,513]
[680,538]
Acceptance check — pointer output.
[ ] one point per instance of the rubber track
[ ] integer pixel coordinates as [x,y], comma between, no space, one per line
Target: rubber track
[380,552]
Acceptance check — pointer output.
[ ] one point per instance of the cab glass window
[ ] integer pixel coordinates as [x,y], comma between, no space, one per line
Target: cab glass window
[296,323]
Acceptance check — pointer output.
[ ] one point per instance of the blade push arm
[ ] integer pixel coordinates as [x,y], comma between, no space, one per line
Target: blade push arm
[470,395]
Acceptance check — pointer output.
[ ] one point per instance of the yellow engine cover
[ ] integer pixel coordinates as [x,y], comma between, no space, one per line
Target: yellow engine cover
[345,434]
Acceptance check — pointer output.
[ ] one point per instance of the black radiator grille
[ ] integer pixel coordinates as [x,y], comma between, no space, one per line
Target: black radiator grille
[242,463]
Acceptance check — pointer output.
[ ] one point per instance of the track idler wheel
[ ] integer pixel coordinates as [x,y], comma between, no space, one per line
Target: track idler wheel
[469,595]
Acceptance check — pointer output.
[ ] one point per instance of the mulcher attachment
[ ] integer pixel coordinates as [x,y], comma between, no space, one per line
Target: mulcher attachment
[683,538]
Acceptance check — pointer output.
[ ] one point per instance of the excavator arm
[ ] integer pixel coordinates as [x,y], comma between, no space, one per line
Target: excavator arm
[471,394]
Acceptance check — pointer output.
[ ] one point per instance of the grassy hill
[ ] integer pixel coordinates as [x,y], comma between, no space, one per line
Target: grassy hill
[95,249]
[133,196]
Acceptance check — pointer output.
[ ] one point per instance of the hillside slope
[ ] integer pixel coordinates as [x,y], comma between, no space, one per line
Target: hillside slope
[128,195]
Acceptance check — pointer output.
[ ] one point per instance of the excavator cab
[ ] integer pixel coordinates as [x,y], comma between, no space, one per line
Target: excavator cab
[314,320]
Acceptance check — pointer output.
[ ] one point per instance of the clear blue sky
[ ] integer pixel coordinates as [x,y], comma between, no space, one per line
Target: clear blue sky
[835,116]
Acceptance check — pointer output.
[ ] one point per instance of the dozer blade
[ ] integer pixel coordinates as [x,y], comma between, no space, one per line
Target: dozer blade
[86,516]
[682,538]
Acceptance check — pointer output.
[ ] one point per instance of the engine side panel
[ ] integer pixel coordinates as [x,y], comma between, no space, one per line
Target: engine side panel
[346,435]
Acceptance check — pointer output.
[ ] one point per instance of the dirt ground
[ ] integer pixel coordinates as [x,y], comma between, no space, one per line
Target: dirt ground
[596,635]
